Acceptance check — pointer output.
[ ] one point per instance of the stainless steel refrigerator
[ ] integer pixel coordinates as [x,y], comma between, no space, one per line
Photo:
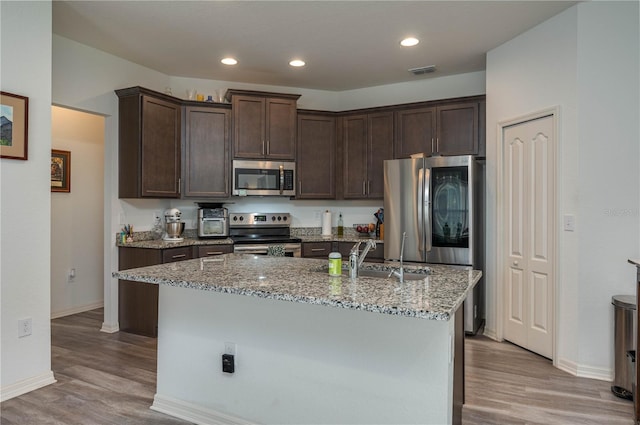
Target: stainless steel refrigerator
[439,202]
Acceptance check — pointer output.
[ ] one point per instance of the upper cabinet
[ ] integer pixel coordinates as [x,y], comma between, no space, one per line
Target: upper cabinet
[367,140]
[206,151]
[264,125]
[316,156]
[149,144]
[442,128]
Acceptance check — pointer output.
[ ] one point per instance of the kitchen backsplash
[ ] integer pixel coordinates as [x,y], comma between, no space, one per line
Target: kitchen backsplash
[306,214]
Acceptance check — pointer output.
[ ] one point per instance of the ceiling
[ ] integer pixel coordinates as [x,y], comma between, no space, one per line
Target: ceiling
[346,44]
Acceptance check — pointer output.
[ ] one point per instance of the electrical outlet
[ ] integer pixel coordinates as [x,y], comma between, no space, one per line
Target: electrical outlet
[569,223]
[71,275]
[24,327]
[157,216]
[230,348]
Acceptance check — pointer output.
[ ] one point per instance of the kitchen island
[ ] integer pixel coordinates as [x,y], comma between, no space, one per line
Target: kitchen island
[310,348]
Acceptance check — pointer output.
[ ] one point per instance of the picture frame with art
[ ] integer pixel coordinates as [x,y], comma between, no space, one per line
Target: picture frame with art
[60,171]
[14,126]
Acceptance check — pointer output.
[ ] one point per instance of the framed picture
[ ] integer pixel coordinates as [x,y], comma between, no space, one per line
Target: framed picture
[60,171]
[14,125]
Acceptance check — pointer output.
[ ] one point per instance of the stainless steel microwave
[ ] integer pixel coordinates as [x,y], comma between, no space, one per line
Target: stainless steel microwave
[264,178]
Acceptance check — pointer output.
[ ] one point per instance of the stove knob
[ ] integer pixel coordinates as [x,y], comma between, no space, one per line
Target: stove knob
[235,218]
[241,218]
[273,218]
[284,218]
[279,218]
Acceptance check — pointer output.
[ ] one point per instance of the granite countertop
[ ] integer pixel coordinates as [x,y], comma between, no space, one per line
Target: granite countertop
[436,297]
[160,244]
[334,238]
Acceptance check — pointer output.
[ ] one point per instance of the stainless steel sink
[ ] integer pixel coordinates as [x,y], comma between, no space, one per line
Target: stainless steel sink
[385,274]
[382,274]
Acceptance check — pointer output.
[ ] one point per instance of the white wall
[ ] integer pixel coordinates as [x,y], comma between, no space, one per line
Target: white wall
[25,69]
[609,141]
[77,224]
[568,62]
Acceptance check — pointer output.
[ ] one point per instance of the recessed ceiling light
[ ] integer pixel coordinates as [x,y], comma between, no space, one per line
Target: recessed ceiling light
[229,61]
[297,62]
[410,41]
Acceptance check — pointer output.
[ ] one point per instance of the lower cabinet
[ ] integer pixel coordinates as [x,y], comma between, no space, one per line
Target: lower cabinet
[317,249]
[322,250]
[138,301]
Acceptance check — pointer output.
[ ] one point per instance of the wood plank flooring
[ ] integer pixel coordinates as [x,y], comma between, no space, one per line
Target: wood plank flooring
[110,379]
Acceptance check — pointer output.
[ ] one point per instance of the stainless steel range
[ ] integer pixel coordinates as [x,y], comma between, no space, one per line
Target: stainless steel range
[254,233]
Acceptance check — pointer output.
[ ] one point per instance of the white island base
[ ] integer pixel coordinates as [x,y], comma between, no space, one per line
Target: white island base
[300,363]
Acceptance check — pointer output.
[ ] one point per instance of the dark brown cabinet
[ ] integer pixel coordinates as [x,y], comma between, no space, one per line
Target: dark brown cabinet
[211,250]
[264,125]
[367,141]
[374,255]
[415,131]
[138,301]
[441,128]
[206,152]
[457,129]
[149,144]
[317,249]
[316,156]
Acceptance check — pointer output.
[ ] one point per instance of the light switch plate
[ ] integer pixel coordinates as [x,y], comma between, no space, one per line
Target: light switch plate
[569,223]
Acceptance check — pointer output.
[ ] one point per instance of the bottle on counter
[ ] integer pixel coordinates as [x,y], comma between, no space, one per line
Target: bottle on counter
[340,226]
[335,264]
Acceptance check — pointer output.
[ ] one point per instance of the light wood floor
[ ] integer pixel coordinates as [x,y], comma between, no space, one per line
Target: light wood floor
[110,379]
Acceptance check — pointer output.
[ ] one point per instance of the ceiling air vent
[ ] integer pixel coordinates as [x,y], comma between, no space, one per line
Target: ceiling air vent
[422,70]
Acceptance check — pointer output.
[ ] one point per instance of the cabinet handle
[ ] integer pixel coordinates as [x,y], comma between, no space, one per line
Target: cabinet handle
[214,252]
[179,185]
[300,186]
[364,187]
[437,144]
[432,150]
[263,147]
[318,249]
[369,187]
[179,256]
[268,147]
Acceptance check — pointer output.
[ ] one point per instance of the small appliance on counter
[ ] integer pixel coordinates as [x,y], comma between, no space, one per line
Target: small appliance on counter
[173,227]
[213,220]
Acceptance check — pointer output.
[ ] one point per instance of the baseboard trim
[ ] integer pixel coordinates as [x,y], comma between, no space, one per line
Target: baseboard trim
[491,333]
[76,310]
[583,371]
[27,385]
[110,328]
[194,413]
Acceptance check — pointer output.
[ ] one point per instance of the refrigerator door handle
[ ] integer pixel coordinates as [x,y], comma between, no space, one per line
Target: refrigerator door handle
[427,208]
[420,213]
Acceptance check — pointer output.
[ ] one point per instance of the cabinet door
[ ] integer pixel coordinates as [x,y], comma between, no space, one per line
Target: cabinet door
[380,148]
[160,140]
[457,129]
[355,156]
[280,128]
[206,152]
[248,126]
[212,250]
[316,157]
[316,249]
[415,132]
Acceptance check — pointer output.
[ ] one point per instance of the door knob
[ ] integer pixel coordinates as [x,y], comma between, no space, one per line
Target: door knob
[515,263]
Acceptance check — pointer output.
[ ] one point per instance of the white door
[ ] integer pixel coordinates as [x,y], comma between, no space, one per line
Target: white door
[529,154]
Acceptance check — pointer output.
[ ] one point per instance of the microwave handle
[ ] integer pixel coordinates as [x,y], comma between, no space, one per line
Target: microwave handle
[281,179]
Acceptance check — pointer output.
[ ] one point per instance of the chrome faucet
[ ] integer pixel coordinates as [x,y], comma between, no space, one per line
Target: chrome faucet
[356,258]
[400,272]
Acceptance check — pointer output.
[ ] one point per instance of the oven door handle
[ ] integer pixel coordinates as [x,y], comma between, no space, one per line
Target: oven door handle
[252,249]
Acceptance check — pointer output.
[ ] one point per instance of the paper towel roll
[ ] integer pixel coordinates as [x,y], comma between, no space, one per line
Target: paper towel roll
[326,223]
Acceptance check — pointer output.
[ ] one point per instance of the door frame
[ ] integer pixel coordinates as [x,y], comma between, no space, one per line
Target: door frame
[501,239]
